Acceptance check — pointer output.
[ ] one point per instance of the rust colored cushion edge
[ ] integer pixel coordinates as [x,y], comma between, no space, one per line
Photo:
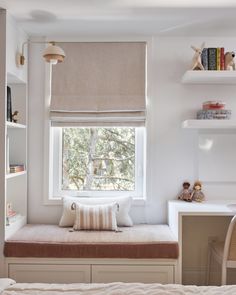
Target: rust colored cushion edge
[59,250]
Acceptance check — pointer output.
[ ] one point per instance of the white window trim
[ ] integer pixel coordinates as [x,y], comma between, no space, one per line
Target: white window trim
[47,162]
[56,155]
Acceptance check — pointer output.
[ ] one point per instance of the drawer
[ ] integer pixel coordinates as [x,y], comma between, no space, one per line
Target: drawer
[133,273]
[46,273]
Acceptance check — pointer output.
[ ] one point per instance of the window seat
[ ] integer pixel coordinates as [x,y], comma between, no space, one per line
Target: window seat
[52,241]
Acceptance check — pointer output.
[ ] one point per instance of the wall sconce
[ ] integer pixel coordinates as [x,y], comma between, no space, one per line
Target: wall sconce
[52,54]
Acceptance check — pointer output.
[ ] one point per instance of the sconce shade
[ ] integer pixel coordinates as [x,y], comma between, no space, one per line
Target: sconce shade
[54,54]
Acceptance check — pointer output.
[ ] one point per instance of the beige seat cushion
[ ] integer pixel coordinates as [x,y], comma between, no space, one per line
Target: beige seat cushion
[140,241]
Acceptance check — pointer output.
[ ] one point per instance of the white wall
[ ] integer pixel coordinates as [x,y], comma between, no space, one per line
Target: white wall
[15,38]
[171,151]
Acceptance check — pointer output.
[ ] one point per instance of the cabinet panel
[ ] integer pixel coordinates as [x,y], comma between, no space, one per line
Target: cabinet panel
[43,273]
[133,273]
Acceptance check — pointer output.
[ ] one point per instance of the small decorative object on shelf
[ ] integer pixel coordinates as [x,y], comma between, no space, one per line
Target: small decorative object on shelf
[14,168]
[229,61]
[186,193]
[10,214]
[197,195]
[212,110]
[213,105]
[9,105]
[14,117]
[196,61]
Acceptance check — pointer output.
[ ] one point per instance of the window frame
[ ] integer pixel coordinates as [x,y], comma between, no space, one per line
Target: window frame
[56,164]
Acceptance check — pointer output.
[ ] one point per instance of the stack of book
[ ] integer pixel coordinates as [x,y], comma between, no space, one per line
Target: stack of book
[213,59]
[14,168]
[214,110]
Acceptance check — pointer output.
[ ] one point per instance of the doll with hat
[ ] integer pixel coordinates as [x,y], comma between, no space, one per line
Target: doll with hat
[197,194]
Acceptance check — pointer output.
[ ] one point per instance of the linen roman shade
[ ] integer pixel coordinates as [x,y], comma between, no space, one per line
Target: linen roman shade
[100,83]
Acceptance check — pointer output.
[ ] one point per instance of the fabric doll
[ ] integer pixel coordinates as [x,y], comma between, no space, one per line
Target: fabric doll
[185,194]
[197,194]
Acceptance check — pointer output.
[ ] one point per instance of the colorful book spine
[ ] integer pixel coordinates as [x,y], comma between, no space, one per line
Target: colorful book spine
[222,58]
[218,58]
[212,59]
[204,58]
[9,105]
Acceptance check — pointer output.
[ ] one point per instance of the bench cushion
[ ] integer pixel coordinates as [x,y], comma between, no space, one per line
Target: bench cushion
[140,241]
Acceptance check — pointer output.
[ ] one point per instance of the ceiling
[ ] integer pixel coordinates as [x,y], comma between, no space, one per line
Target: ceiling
[124,17]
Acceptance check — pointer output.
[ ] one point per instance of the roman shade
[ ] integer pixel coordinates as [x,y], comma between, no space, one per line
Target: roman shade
[99,83]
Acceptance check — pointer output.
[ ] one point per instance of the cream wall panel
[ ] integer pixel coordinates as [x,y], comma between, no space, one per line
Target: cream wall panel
[36,273]
[133,273]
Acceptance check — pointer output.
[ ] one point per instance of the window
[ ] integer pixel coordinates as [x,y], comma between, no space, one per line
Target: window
[95,121]
[98,161]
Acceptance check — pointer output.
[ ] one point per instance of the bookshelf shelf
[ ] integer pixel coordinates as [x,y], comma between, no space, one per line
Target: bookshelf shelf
[18,222]
[15,125]
[209,77]
[16,174]
[209,124]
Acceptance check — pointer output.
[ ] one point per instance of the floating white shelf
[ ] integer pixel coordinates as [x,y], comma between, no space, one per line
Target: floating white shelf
[11,175]
[18,222]
[13,79]
[209,124]
[15,125]
[209,77]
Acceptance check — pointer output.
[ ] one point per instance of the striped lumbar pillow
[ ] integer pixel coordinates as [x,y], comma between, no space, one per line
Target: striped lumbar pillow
[96,217]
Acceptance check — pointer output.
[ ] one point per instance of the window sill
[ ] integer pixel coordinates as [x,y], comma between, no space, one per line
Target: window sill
[58,202]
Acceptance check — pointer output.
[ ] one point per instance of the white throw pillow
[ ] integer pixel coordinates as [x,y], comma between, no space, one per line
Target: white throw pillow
[95,217]
[122,216]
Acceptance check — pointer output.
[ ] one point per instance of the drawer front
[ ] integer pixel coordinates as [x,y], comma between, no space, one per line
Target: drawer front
[133,273]
[46,273]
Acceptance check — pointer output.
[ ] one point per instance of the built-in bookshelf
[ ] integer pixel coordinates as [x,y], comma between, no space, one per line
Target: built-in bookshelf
[16,157]
[209,77]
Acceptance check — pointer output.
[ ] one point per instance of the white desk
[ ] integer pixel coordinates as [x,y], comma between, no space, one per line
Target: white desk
[178,209]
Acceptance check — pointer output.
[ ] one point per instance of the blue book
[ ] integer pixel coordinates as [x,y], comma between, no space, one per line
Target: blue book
[204,58]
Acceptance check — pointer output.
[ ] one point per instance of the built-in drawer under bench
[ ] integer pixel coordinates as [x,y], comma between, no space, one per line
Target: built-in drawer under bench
[48,253]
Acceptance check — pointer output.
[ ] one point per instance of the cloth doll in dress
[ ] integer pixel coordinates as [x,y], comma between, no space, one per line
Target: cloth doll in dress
[185,194]
[197,194]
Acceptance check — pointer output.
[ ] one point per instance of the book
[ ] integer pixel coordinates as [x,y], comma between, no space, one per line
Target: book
[17,168]
[222,58]
[218,58]
[9,105]
[212,59]
[204,58]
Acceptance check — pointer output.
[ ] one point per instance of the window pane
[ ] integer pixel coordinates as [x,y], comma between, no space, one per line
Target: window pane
[98,159]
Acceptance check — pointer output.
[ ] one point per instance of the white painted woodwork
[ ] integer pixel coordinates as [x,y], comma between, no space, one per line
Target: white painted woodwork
[179,211]
[36,273]
[13,188]
[16,174]
[209,77]
[209,124]
[14,125]
[92,270]
[130,273]
[2,132]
